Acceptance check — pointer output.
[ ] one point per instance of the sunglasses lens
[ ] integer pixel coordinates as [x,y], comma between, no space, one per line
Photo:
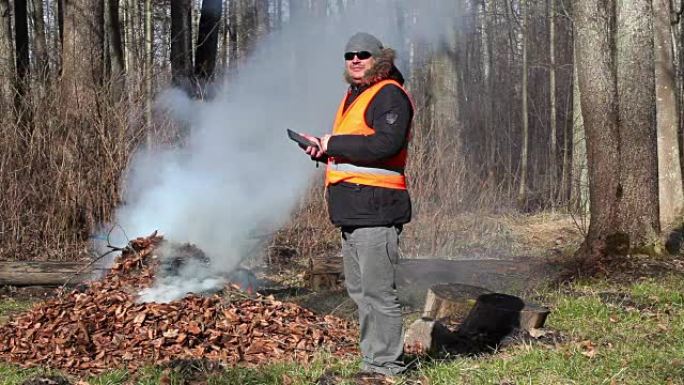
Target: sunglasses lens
[362,55]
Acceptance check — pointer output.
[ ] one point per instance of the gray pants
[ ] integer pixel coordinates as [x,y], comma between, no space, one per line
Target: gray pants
[370,257]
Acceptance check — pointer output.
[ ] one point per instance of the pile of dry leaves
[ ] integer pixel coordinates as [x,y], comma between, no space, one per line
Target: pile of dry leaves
[102,326]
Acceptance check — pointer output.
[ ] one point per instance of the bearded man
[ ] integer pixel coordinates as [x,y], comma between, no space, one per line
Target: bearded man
[367,196]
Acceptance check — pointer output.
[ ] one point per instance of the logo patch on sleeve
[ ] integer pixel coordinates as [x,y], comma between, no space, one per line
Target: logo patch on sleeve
[391,117]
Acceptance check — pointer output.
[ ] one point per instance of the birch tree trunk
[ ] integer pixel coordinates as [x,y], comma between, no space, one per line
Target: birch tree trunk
[132,40]
[39,40]
[667,109]
[149,62]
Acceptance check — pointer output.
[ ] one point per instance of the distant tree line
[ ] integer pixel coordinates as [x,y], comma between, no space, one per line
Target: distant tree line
[527,105]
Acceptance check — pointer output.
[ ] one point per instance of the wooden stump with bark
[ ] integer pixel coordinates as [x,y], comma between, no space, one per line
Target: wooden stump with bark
[451,301]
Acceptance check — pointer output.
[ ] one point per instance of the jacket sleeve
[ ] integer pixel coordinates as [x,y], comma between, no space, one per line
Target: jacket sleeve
[389,115]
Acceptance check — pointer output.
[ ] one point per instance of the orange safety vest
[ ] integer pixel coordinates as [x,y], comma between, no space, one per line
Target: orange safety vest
[388,173]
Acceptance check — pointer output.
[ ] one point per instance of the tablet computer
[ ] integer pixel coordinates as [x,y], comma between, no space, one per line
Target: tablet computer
[302,141]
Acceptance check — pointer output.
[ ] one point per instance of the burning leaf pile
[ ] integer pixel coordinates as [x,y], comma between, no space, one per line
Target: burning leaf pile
[103,327]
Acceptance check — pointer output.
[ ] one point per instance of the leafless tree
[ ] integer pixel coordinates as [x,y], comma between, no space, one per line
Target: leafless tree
[181,41]
[669,167]
[7,73]
[39,38]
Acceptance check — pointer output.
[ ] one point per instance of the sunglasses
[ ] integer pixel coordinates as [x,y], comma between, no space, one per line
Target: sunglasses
[362,55]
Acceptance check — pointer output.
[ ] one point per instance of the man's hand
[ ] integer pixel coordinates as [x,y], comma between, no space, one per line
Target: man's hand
[322,145]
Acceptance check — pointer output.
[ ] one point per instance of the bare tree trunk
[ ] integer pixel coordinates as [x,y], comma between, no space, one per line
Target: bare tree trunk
[21,43]
[115,49]
[618,103]
[233,36]
[132,41]
[553,145]
[263,20]
[224,32]
[181,42]
[522,190]
[39,39]
[669,168]
[149,63]
[207,39]
[580,187]
[246,31]
[82,53]
[278,14]
[598,93]
[681,84]
[445,106]
[60,23]
[55,36]
[7,69]
[639,215]
[488,83]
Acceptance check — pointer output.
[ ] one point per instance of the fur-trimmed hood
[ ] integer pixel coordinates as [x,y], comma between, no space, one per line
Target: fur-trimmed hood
[382,69]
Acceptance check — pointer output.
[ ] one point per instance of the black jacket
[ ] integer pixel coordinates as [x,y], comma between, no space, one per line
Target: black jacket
[352,205]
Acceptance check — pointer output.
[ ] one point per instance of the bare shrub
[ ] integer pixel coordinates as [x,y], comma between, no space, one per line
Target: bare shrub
[60,173]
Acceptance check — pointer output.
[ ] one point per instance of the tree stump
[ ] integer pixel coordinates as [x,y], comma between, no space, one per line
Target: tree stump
[451,301]
[426,336]
[498,314]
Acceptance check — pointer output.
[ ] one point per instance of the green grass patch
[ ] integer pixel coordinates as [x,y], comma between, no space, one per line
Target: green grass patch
[613,333]
[10,306]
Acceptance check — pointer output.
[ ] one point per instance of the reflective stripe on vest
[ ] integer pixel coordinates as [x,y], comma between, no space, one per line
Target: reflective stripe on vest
[388,173]
[348,167]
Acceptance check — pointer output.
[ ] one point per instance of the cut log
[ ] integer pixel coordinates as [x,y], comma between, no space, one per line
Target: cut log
[326,265]
[325,273]
[498,314]
[42,273]
[451,301]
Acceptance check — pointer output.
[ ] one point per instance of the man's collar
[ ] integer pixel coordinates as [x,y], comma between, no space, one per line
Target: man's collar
[358,87]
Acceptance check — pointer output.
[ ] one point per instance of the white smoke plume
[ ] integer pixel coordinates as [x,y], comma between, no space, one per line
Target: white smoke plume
[238,177]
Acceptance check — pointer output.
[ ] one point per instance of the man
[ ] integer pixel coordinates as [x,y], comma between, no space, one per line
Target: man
[367,196]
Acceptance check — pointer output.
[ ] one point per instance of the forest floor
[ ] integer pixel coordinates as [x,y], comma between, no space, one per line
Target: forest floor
[624,327]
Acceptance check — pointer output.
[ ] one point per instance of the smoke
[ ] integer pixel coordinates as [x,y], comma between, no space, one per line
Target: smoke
[238,176]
